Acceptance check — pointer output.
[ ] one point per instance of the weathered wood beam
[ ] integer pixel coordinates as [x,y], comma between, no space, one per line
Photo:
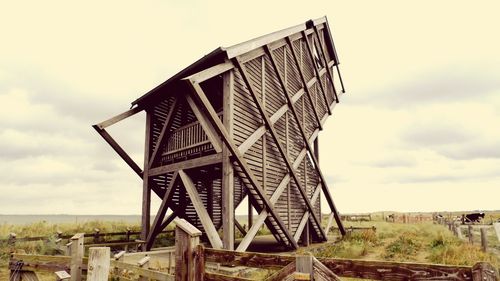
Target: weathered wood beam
[146,189]
[118,149]
[211,72]
[187,164]
[207,223]
[318,76]
[217,124]
[240,227]
[228,217]
[162,138]
[276,138]
[119,117]
[168,220]
[162,210]
[209,130]
[304,83]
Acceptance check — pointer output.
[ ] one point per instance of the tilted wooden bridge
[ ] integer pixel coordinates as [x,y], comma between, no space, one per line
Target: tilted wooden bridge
[242,121]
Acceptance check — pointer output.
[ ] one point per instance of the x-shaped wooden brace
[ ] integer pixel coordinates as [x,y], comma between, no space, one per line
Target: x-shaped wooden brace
[201,98]
[304,138]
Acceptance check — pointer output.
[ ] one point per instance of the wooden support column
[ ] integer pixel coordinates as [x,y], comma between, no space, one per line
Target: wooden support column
[187,239]
[227,167]
[99,262]
[146,189]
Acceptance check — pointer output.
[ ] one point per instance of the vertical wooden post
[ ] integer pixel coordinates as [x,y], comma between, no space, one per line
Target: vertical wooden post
[96,235]
[484,239]
[187,239]
[227,166]
[99,263]
[304,265]
[483,271]
[496,227]
[12,242]
[146,189]
[471,234]
[76,256]
[200,263]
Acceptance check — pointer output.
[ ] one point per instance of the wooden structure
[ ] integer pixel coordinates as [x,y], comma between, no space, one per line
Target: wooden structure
[241,121]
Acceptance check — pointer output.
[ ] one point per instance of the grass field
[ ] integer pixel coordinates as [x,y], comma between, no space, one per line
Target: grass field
[419,242]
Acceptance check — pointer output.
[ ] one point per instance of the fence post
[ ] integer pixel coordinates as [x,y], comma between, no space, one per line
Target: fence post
[471,235]
[304,266]
[496,227]
[187,238]
[483,271]
[200,263]
[484,239]
[99,263]
[76,256]
[96,235]
[12,242]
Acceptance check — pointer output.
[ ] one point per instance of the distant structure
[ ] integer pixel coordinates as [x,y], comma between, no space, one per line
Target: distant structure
[242,121]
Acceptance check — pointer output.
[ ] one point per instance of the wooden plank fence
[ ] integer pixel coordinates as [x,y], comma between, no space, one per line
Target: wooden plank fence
[193,260]
[470,231]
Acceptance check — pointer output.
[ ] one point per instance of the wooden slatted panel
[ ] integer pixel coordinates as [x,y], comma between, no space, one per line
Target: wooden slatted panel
[328,88]
[275,98]
[293,80]
[254,155]
[306,62]
[320,101]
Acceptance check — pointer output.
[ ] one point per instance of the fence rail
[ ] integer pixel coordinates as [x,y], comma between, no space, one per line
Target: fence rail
[194,262]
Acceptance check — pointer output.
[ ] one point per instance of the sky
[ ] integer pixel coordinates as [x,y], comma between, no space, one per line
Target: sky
[417,130]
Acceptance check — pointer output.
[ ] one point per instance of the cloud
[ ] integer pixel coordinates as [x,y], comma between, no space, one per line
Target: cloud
[435,135]
[448,85]
[475,150]
[393,162]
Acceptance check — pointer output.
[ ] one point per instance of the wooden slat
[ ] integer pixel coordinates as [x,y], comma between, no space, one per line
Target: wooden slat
[211,72]
[119,117]
[326,63]
[187,164]
[212,117]
[207,223]
[284,272]
[139,271]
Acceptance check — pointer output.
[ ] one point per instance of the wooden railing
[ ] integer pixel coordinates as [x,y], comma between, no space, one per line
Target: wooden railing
[186,140]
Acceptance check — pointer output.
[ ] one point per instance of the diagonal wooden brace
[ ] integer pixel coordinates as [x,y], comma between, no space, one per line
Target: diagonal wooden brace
[215,122]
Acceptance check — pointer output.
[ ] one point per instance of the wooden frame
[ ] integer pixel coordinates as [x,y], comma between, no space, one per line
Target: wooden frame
[241,121]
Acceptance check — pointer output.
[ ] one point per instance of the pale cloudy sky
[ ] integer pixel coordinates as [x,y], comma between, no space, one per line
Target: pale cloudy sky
[418,129]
